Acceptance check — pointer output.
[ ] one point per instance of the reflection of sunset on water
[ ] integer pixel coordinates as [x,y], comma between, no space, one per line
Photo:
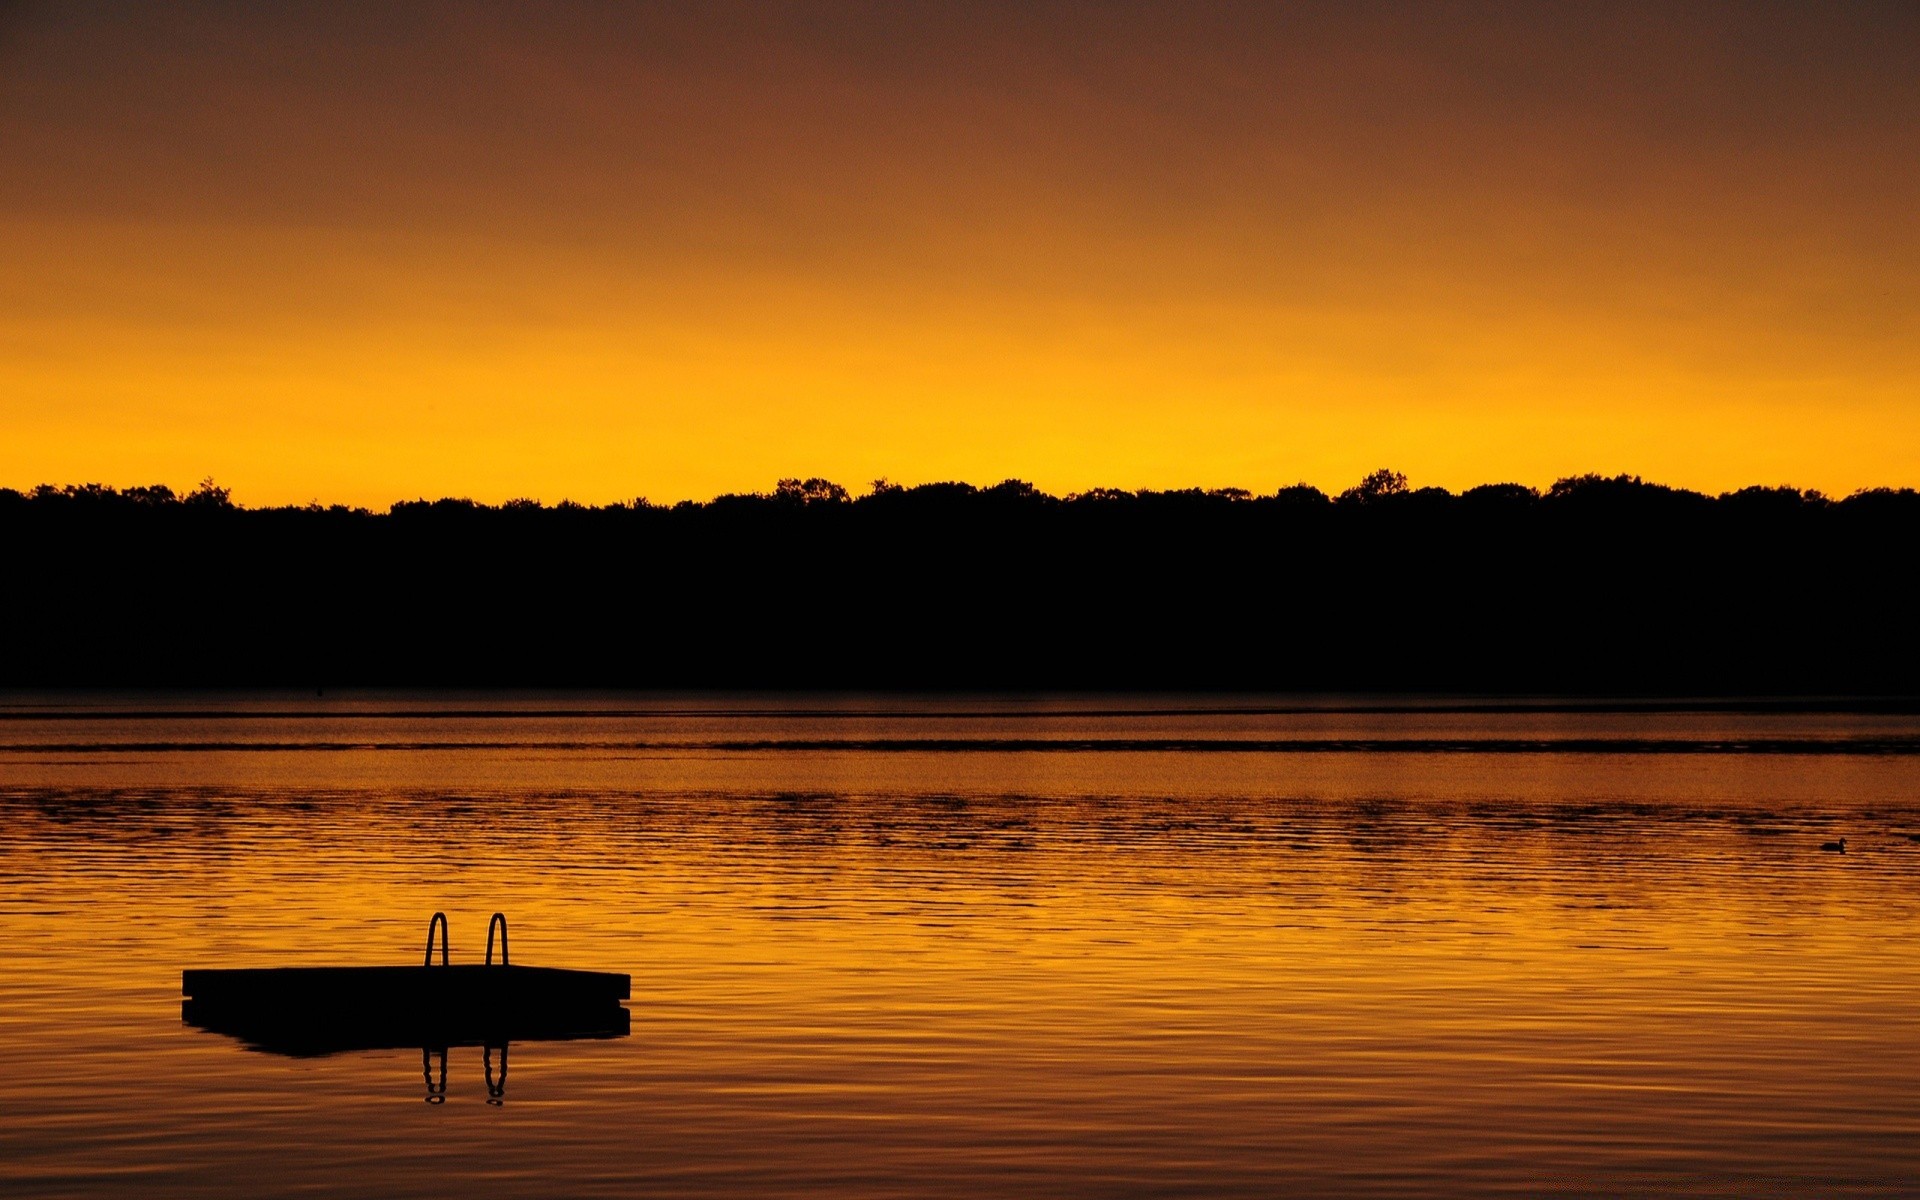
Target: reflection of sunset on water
[1218,973]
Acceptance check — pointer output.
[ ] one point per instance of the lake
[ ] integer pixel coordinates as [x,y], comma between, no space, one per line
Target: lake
[1074,946]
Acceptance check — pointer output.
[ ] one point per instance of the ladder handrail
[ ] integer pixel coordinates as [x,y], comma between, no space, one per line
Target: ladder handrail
[499,919]
[439,922]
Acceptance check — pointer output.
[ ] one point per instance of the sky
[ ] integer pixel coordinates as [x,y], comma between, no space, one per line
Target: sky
[358,253]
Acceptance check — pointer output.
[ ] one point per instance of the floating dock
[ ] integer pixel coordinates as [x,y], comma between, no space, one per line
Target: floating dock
[325,1010]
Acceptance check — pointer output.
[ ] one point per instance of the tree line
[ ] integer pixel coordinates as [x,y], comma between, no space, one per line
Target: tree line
[1382,487]
[1594,585]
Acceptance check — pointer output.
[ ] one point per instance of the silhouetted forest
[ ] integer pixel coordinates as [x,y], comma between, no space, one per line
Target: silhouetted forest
[1597,585]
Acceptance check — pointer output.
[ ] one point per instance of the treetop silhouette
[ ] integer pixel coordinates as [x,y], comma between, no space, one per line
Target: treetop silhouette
[1597,583]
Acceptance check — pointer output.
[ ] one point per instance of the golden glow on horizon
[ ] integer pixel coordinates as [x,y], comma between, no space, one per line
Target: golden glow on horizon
[602,254]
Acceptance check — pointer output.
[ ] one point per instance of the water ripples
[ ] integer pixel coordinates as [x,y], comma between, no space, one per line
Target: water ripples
[1094,971]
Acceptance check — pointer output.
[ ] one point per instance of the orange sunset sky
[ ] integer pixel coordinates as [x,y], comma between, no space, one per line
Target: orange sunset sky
[366,252]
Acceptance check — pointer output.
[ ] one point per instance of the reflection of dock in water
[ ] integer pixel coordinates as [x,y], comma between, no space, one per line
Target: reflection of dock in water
[307,1011]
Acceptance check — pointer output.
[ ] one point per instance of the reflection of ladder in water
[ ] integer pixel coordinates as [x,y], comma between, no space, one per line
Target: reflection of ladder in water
[433,1067]
[496,1092]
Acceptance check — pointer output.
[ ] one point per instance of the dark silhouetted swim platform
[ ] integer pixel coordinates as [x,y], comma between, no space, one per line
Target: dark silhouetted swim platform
[325,1010]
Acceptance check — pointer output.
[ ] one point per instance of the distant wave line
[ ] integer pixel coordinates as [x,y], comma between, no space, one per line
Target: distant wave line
[1544,707]
[1868,746]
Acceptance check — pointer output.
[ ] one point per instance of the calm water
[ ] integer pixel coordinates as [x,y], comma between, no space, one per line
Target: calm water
[943,948]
